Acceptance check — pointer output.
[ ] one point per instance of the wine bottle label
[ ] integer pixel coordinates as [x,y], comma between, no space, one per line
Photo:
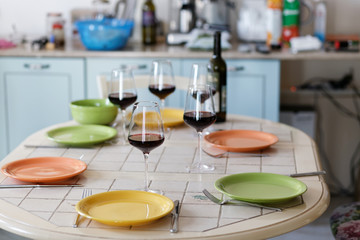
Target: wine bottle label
[217,102]
[148,18]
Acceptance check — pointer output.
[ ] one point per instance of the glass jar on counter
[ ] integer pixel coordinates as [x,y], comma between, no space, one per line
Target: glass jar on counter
[55,28]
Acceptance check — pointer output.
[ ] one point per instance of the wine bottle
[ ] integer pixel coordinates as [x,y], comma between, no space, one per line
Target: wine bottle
[148,23]
[218,72]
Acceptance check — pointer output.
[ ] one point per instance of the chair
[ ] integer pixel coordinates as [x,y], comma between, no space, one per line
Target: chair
[176,99]
[345,221]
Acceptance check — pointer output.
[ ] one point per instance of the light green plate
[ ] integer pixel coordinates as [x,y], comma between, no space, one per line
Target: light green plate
[260,187]
[82,135]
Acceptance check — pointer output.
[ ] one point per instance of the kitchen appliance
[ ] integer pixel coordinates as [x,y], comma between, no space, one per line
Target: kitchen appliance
[214,14]
[251,25]
[187,16]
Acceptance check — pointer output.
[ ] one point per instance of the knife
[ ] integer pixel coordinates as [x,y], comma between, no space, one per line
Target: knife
[307,174]
[39,186]
[175,217]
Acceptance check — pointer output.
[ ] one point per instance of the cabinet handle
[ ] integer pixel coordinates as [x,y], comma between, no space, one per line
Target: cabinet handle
[37,66]
[135,67]
[235,68]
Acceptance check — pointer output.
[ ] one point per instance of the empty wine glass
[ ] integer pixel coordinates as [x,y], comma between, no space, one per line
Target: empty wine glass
[199,113]
[162,82]
[146,132]
[122,93]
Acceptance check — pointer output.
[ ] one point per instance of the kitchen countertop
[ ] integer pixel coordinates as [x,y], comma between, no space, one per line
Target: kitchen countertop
[133,50]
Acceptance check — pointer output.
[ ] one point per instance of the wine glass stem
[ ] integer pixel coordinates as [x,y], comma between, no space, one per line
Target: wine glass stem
[162,103]
[123,123]
[146,156]
[199,148]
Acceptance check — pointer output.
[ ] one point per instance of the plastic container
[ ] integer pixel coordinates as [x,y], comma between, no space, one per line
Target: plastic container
[320,21]
[104,34]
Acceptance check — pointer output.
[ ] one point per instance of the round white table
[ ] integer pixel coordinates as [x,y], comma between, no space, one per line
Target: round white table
[48,213]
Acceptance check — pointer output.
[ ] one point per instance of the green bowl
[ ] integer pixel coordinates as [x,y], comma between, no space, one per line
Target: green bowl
[93,111]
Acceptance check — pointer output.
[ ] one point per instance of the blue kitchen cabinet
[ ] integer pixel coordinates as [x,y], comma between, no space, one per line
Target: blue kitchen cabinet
[103,66]
[253,86]
[35,93]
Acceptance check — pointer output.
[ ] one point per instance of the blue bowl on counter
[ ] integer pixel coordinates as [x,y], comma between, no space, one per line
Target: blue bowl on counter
[104,34]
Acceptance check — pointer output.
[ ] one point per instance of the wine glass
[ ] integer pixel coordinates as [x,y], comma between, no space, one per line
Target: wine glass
[199,113]
[162,82]
[201,73]
[146,132]
[122,93]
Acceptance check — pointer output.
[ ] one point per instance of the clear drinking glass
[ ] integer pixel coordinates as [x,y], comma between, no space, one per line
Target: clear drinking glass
[122,92]
[162,82]
[199,113]
[146,132]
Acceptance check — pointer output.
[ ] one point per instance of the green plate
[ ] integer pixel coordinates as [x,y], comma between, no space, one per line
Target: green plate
[82,135]
[260,187]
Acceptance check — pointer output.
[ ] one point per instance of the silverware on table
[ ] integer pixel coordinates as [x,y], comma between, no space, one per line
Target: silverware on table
[86,192]
[236,202]
[305,174]
[39,185]
[175,217]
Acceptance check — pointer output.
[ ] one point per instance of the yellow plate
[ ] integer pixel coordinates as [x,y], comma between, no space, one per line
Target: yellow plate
[125,208]
[171,117]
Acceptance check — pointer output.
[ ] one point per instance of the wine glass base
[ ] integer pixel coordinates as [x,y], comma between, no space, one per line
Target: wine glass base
[197,167]
[157,191]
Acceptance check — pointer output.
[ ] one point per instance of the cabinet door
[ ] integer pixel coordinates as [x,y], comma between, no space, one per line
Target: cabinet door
[103,66]
[253,86]
[35,94]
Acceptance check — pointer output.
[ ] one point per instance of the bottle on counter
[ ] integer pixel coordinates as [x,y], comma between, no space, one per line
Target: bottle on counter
[218,72]
[55,29]
[187,16]
[291,21]
[320,21]
[148,23]
[274,23]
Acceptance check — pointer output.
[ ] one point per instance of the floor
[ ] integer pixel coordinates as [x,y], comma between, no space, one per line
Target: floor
[317,230]
[320,228]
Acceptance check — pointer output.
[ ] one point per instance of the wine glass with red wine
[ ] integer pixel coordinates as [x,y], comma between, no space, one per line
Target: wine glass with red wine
[162,82]
[122,93]
[201,73]
[146,132]
[199,113]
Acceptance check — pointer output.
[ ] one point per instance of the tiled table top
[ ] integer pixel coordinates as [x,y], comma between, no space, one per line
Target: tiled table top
[44,213]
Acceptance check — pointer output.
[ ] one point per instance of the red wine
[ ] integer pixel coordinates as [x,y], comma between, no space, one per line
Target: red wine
[161,91]
[200,121]
[126,100]
[146,142]
[203,95]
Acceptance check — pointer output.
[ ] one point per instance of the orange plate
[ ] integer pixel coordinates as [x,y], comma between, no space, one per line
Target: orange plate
[241,140]
[44,169]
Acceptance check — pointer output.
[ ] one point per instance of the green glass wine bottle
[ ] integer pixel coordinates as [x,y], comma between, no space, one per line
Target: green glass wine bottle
[218,72]
[148,23]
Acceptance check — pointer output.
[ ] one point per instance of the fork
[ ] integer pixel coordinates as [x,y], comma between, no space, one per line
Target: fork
[236,202]
[86,192]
